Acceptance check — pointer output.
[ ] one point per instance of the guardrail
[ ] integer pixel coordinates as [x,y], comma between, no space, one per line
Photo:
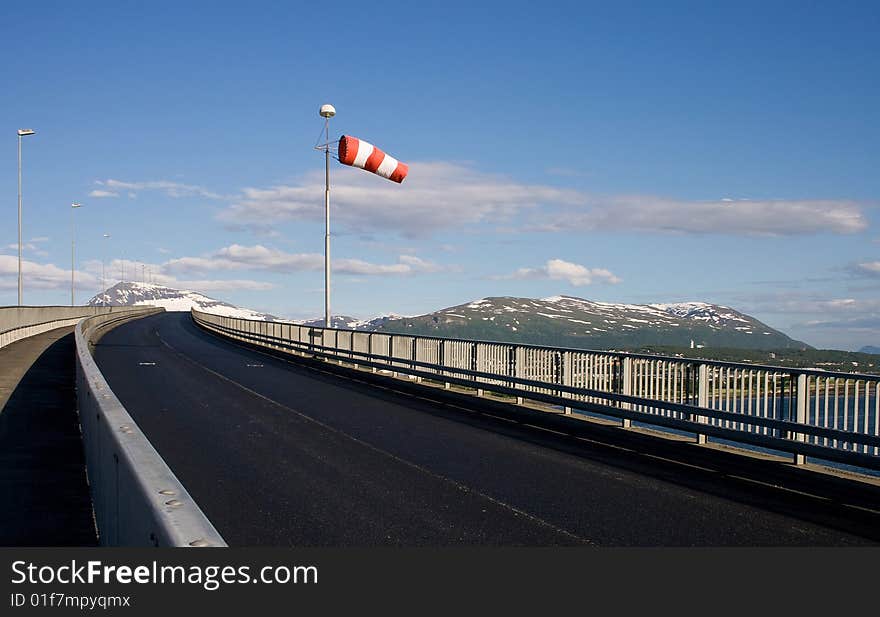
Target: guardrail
[138,501]
[807,413]
[17,323]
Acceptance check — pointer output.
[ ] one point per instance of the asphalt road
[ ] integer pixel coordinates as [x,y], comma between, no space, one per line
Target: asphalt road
[285,455]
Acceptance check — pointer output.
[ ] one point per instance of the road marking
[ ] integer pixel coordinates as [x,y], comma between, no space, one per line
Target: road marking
[675,462]
[862,508]
[146,364]
[255,365]
[779,487]
[547,430]
[462,487]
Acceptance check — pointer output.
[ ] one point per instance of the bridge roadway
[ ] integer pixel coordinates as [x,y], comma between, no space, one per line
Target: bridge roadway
[277,453]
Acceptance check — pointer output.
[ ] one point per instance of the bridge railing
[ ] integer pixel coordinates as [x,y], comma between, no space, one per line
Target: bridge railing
[19,322]
[137,499]
[830,416]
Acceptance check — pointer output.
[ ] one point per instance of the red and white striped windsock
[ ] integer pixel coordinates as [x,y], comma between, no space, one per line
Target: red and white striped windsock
[359,153]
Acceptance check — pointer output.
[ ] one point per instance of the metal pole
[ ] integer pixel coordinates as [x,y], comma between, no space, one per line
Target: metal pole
[72,255]
[326,225]
[19,219]
[103,272]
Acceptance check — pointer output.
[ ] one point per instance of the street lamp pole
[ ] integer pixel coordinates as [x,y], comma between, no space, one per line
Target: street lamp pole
[327,112]
[72,253]
[103,280]
[21,133]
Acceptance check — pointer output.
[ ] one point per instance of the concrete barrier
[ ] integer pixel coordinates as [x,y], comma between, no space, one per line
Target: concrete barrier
[18,322]
[138,501]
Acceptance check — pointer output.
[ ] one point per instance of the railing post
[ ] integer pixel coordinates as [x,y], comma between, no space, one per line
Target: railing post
[336,348]
[518,368]
[626,390]
[391,354]
[702,397]
[803,397]
[415,356]
[566,378]
[475,364]
[442,354]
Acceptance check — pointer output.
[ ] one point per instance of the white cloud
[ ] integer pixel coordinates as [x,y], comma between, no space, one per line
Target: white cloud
[216,284]
[102,193]
[822,320]
[867,324]
[258,257]
[575,274]
[27,247]
[869,268]
[158,274]
[805,303]
[172,189]
[435,195]
[846,316]
[407,264]
[725,216]
[443,195]
[39,276]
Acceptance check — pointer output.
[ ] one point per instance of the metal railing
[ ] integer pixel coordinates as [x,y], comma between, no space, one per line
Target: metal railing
[137,499]
[829,416]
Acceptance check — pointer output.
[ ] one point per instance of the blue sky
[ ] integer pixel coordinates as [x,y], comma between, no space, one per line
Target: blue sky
[645,152]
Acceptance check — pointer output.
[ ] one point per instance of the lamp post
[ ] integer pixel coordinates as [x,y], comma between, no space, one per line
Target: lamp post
[72,253]
[327,112]
[21,133]
[103,280]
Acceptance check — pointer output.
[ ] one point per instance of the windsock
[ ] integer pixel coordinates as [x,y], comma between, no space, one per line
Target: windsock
[359,153]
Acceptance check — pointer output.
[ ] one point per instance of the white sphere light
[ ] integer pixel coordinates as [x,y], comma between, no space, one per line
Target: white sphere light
[328,111]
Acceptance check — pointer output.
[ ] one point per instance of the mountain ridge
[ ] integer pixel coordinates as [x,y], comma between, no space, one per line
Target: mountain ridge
[132,293]
[577,322]
[565,321]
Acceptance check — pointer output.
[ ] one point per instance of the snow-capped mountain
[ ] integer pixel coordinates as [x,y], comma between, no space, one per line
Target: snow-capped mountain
[576,322]
[351,323]
[135,294]
[557,320]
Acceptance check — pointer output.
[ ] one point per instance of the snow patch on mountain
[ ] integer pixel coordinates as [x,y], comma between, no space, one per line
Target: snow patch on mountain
[173,300]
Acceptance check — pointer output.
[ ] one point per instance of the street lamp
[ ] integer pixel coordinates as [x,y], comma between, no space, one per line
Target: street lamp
[21,133]
[327,111]
[72,252]
[103,281]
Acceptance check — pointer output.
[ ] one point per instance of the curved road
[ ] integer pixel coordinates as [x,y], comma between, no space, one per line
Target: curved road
[285,455]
